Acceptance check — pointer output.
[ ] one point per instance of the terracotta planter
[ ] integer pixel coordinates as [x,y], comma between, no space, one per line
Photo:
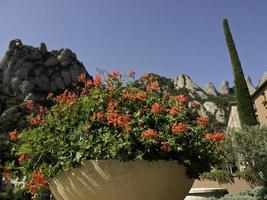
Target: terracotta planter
[114,180]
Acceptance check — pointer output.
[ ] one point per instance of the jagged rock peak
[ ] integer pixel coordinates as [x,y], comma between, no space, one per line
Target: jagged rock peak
[43,48]
[14,43]
[184,81]
[250,85]
[31,70]
[263,78]
[210,89]
[224,88]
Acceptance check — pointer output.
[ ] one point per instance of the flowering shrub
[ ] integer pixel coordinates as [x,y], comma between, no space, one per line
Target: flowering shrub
[113,119]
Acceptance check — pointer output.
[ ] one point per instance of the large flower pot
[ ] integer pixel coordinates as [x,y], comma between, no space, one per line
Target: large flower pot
[115,180]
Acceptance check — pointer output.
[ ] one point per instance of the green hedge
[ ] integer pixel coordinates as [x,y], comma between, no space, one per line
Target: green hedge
[259,193]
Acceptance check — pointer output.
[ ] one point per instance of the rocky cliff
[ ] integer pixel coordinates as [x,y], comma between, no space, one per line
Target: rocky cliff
[30,73]
[213,103]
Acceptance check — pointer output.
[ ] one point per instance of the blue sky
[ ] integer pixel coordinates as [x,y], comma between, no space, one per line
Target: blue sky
[168,37]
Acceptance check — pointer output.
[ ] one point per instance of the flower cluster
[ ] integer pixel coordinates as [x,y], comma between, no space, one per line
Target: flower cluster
[165,146]
[138,95]
[180,98]
[156,108]
[13,135]
[22,158]
[114,119]
[7,174]
[175,110]
[215,137]
[179,128]
[66,98]
[151,134]
[36,182]
[202,121]
[39,118]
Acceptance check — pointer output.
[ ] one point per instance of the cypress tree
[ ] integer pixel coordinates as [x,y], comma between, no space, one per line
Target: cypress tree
[244,103]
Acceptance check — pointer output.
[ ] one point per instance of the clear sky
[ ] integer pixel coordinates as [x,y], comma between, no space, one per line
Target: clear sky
[168,37]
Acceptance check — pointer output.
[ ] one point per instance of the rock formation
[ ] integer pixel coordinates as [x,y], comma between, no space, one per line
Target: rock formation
[214,110]
[263,79]
[224,88]
[206,96]
[210,89]
[183,81]
[251,88]
[220,115]
[211,107]
[30,73]
[27,70]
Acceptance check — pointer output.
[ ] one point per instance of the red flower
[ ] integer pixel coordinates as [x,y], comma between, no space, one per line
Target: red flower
[83,92]
[88,83]
[131,74]
[174,110]
[151,134]
[114,74]
[144,77]
[42,110]
[82,77]
[22,158]
[134,95]
[179,127]
[98,116]
[112,106]
[153,86]
[156,108]
[97,80]
[66,98]
[118,119]
[214,137]
[181,98]
[202,121]
[37,120]
[30,105]
[13,135]
[7,174]
[165,146]
[37,181]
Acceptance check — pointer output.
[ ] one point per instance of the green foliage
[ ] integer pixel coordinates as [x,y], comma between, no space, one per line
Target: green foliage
[116,120]
[12,194]
[222,101]
[250,176]
[221,176]
[164,84]
[244,103]
[250,146]
[259,193]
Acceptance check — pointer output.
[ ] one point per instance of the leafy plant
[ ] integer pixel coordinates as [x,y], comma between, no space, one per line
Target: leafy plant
[259,193]
[250,146]
[112,119]
[221,176]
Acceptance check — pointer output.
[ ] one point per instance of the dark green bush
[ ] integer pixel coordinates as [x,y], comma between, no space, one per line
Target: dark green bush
[250,146]
[221,176]
[259,193]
